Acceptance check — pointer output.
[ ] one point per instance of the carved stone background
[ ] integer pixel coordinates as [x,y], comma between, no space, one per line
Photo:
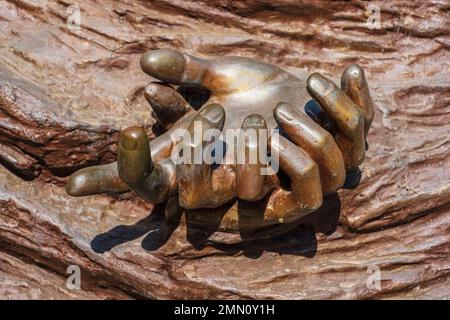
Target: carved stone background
[65,94]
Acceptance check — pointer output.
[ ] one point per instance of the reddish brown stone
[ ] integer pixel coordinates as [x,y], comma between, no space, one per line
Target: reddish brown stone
[65,94]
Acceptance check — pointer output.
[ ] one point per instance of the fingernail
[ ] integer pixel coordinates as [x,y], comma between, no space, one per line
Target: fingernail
[354,76]
[254,121]
[284,111]
[213,113]
[132,138]
[318,83]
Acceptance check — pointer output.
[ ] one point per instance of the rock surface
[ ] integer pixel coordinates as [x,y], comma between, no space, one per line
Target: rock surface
[63,100]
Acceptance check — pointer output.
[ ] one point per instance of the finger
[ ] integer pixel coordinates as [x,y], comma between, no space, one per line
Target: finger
[302,171]
[345,113]
[174,67]
[154,182]
[161,146]
[168,105]
[280,207]
[249,180]
[316,141]
[96,179]
[105,178]
[354,84]
[196,187]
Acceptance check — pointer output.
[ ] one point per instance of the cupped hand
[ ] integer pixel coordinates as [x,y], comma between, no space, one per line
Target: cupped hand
[316,148]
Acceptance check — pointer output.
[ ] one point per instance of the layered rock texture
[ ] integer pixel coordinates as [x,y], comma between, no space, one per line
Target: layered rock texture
[65,93]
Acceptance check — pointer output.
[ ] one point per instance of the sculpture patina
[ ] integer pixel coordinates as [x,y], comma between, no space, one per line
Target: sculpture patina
[245,94]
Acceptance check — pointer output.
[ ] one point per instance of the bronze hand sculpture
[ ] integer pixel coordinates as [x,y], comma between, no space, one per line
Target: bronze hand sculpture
[244,94]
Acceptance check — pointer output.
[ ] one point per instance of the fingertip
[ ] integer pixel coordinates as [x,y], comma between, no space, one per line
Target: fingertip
[254,121]
[134,161]
[76,184]
[283,112]
[133,138]
[214,114]
[318,84]
[354,70]
[167,104]
[151,91]
[164,64]
[353,75]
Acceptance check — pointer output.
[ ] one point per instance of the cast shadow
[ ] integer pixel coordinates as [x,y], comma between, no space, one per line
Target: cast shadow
[154,225]
[295,239]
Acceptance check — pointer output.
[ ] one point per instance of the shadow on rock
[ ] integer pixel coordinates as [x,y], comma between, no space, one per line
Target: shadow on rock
[154,225]
[296,239]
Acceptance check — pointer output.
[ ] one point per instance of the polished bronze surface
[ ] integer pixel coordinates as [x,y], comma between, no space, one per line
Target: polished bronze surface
[249,180]
[245,94]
